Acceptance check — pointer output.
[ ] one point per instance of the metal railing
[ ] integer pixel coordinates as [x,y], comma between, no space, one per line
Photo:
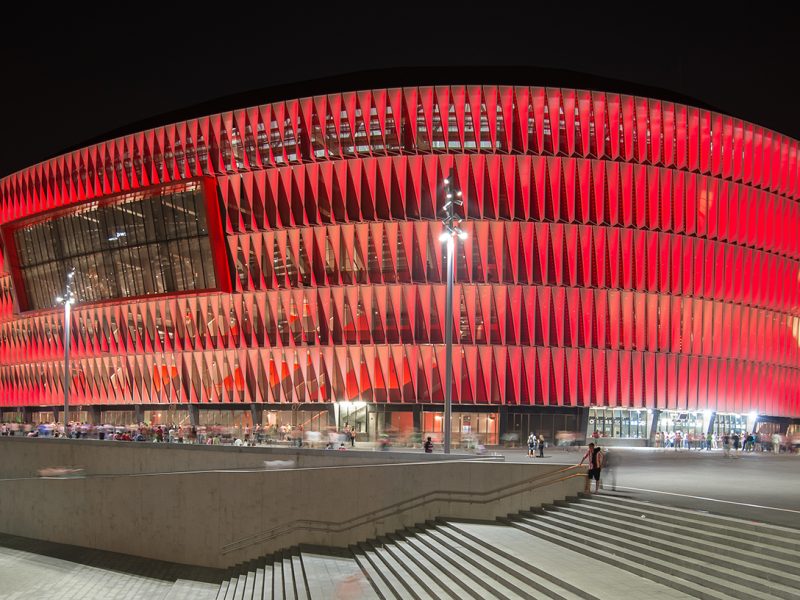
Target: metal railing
[458,496]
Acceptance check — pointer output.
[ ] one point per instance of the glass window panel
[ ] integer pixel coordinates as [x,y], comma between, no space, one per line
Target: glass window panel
[149,222]
[200,207]
[206,259]
[136,246]
[147,271]
[168,215]
[184,258]
[175,267]
[197,265]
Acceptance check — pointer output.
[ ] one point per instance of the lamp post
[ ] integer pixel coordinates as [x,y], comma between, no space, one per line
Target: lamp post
[68,299]
[451,223]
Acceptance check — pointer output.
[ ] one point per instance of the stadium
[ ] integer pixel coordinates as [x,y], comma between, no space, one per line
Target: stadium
[629,264]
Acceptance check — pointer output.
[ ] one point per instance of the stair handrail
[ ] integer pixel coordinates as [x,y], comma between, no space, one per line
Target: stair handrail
[485,497]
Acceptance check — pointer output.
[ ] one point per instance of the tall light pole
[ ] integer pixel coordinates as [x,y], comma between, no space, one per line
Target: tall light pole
[68,299]
[451,223]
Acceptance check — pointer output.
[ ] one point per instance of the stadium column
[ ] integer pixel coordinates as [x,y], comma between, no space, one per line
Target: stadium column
[138,413]
[651,438]
[583,419]
[94,415]
[502,425]
[194,415]
[710,424]
[256,414]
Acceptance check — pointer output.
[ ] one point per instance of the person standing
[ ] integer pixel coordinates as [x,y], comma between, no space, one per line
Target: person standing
[595,457]
[531,445]
[428,445]
[541,446]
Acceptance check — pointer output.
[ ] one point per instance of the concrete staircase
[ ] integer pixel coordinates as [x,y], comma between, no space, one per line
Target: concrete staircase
[702,555]
[591,548]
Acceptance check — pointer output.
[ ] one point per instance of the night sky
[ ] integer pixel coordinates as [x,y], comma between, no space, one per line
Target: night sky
[78,77]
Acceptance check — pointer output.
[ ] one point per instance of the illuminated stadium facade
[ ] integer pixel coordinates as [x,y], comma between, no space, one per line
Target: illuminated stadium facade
[630,265]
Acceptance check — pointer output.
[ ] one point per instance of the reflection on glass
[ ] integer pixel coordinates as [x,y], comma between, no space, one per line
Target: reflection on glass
[135,247]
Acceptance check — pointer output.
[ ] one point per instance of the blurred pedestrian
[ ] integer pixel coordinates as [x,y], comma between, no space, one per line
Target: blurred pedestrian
[776,442]
[428,445]
[541,446]
[611,465]
[531,445]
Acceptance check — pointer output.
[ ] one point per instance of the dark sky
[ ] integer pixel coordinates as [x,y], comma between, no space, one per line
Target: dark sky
[80,76]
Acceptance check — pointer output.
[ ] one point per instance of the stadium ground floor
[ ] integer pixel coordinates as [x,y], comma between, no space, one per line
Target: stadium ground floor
[486,424]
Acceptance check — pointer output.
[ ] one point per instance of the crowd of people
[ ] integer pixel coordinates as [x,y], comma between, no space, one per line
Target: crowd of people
[735,440]
[188,434]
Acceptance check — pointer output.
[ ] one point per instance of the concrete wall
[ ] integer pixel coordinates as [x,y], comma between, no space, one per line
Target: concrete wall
[23,457]
[218,519]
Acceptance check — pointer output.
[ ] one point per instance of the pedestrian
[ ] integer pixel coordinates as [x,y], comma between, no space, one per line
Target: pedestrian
[541,446]
[726,445]
[352,436]
[428,445]
[531,445]
[595,457]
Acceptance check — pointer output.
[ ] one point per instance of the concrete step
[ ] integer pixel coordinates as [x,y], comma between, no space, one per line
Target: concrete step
[244,589]
[489,585]
[377,582]
[583,575]
[683,525]
[278,593]
[230,588]
[299,578]
[480,562]
[764,533]
[427,585]
[480,585]
[258,582]
[539,586]
[269,583]
[735,538]
[335,576]
[421,558]
[550,529]
[723,554]
[383,580]
[289,591]
[398,570]
[681,556]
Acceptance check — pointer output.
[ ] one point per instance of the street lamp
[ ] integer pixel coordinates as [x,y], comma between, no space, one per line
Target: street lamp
[451,223]
[68,299]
